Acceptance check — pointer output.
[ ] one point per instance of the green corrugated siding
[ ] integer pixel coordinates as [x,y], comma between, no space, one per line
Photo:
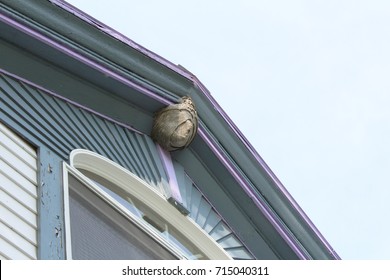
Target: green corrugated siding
[63,127]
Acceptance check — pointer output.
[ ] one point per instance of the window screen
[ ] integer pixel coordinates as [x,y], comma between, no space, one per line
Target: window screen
[98,231]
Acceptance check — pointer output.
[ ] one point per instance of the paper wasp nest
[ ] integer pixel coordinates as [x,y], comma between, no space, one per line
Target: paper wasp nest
[175,126]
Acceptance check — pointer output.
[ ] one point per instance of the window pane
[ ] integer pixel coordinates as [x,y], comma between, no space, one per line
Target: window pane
[145,214]
[100,232]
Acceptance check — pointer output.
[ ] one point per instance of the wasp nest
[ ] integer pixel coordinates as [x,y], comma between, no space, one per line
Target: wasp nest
[175,126]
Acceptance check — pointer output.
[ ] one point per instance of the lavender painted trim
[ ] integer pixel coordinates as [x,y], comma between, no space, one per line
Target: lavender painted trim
[95,65]
[170,171]
[51,93]
[117,35]
[266,168]
[263,208]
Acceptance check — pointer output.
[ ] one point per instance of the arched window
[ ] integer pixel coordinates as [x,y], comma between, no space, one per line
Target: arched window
[111,213]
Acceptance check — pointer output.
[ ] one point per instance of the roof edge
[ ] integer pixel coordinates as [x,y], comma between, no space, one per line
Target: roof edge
[119,36]
[194,80]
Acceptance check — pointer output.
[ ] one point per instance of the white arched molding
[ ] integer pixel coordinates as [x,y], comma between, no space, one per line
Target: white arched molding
[139,189]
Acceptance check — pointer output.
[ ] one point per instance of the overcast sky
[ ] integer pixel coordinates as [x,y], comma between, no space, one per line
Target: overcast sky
[307,82]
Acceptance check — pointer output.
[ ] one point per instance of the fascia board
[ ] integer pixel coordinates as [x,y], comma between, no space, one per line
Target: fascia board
[98,42]
[260,177]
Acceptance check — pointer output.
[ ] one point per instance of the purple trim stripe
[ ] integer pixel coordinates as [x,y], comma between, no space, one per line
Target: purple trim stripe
[265,167]
[250,192]
[170,171]
[72,53]
[117,35]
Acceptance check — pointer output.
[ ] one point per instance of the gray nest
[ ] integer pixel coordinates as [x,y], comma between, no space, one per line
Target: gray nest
[175,126]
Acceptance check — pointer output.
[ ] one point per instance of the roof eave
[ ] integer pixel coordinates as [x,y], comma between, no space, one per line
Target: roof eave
[182,81]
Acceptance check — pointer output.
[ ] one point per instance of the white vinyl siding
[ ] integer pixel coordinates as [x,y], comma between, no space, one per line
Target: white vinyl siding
[18,197]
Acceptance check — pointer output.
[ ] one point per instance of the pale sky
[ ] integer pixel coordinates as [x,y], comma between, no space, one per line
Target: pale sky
[307,82]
